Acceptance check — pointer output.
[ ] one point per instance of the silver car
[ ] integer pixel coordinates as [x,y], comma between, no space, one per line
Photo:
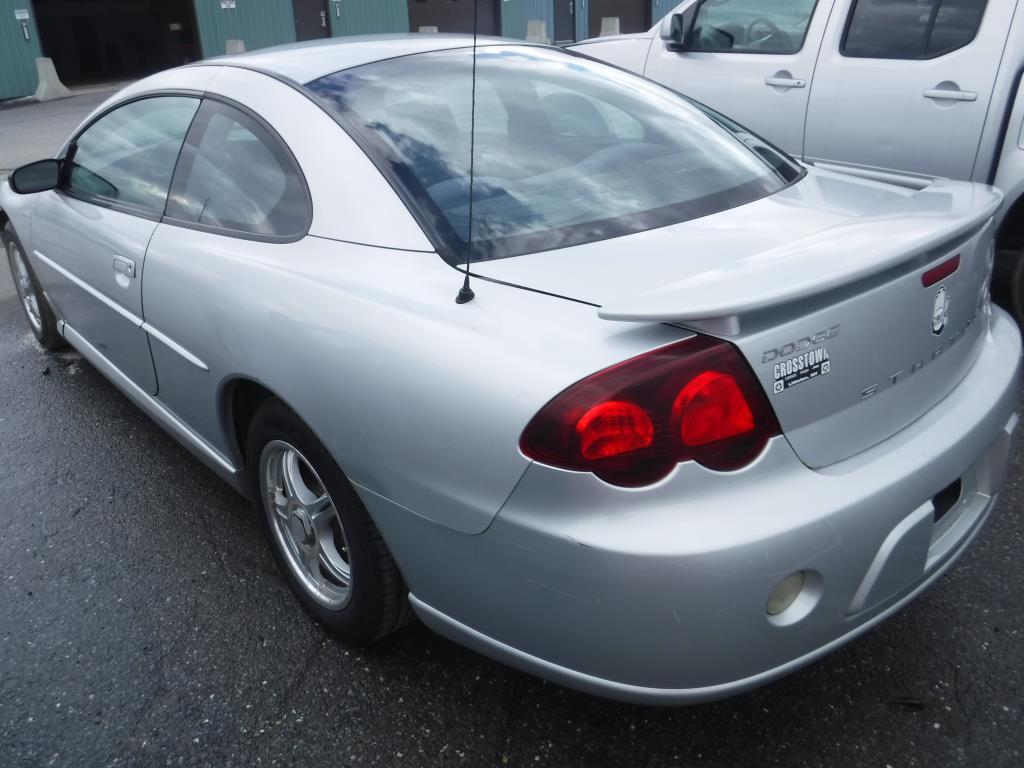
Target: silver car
[607,388]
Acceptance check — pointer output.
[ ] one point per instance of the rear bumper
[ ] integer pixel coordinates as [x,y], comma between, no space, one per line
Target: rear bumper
[659,595]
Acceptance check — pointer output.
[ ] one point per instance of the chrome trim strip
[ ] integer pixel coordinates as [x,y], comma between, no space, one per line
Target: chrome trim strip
[126,314]
[156,410]
[174,346]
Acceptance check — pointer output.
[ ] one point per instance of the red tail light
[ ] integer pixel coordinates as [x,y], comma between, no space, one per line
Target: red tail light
[696,400]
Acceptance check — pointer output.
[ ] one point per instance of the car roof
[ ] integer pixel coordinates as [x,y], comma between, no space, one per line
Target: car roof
[305,62]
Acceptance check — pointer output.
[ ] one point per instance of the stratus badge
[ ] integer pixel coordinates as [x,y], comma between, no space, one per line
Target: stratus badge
[940,311]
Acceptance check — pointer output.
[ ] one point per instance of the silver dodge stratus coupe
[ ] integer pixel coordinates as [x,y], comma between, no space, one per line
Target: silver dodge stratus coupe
[710,415]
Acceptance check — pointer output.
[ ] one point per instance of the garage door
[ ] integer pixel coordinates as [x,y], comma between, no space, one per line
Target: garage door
[633,15]
[109,40]
[454,16]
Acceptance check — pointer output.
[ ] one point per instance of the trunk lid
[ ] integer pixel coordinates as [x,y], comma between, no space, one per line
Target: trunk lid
[820,287]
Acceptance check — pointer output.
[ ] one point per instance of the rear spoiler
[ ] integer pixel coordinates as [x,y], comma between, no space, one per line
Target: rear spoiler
[925,225]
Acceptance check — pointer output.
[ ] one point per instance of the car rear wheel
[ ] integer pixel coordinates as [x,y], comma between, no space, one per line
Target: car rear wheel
[33,301]
[326,546]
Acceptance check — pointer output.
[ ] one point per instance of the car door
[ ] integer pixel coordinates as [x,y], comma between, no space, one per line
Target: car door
[752,60]
[238,201]
[90,235]
[905,85]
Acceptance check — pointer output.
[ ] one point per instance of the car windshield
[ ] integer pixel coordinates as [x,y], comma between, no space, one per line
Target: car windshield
[567,150]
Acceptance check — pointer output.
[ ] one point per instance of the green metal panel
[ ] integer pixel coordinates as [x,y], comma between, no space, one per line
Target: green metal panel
[17,55]
[660,8]
[515,14]
[582,19]
[258,23]
[368,17]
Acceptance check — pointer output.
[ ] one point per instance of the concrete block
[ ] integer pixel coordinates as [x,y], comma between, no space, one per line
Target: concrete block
[234,46]
[537,31]
[50,87]
[610,26]
[428,29]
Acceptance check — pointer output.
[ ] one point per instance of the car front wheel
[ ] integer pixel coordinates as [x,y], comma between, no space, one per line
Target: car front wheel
[326,546]
[33,301]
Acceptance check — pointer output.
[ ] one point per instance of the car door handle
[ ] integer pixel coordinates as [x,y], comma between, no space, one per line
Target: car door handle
[941,94]
[785,82]
[123,266]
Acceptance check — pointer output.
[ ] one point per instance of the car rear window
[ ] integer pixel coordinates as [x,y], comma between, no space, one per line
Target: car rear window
[567,150]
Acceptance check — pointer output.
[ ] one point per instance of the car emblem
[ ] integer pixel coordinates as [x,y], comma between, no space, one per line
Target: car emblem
[940,311]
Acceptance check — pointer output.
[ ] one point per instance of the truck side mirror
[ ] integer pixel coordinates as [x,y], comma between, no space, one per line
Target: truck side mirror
[40,176]
[677,30]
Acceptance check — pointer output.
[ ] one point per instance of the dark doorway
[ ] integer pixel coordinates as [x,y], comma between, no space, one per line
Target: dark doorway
[455,16]
[634,15]
[565,21]
[109,40]
[311,22]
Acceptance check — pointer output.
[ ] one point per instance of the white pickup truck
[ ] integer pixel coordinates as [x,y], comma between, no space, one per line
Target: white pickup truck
[896,90]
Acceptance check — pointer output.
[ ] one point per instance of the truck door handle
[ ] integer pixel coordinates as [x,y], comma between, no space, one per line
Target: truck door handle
[785,82]
[123,266]
[940,94]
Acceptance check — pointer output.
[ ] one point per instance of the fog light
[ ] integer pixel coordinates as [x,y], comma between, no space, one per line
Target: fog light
[785,593]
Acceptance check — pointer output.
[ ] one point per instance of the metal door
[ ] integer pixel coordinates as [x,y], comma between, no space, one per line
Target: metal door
[918,115]
[565,21]
[454,16]
[311,22]
[764,90]
[90,236]
[95,277]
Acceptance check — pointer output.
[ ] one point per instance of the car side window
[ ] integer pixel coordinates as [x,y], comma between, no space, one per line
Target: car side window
[910,29]
[752,26]
[236,175]
[127,157]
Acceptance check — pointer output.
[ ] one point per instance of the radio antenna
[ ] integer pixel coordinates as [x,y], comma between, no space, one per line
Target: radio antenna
[466,293]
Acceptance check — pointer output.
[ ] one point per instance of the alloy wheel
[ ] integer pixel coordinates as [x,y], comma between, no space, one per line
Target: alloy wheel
[305,524]
[26,290]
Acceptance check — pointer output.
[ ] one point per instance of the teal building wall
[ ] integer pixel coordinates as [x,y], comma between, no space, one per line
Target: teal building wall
[262,23]
[259,23]
[515,14]
[368,17]
[660,8]
[17,55]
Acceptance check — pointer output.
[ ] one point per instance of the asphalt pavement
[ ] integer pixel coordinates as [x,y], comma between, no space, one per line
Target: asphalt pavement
[142,622]
[31,131]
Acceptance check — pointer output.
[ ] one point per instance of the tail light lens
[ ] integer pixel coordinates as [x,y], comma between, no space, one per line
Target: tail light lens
[696,400]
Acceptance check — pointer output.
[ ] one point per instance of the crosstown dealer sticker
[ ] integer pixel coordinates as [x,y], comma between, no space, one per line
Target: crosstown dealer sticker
[801,368]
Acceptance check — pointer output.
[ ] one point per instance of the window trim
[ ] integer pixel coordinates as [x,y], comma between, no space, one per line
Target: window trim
[102,202]
[930,29]
[239,234]
[803,41]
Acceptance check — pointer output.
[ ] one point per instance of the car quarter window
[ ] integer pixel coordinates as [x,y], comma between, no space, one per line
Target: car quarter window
[752,26]
[237,176]
[127,157]
[910,29]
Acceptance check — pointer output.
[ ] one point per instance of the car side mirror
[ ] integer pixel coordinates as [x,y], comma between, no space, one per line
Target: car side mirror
[677,30]
[35,177]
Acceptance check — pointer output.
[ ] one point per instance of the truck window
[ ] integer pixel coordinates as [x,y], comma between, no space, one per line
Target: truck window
[752,26]
[910,29]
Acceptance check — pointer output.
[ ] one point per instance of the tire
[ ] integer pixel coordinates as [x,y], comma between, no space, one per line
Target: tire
[1008,283]
[37,309]
[317,527]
